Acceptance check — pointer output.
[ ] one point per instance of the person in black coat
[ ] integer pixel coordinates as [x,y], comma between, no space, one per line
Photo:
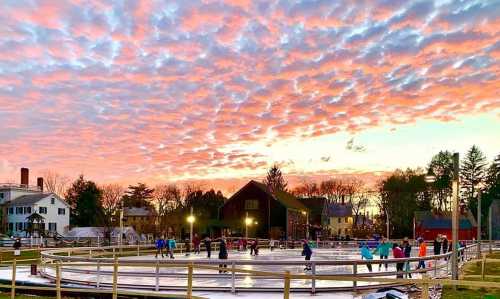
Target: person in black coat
[437,245]
[407,252]
[222,254]
[445,244]
[307,252]
[208,245]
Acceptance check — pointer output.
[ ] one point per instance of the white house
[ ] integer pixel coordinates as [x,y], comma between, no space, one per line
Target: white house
[20,201]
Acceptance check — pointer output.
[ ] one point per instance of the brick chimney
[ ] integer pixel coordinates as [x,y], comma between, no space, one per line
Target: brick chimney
[25,176]
[39,183]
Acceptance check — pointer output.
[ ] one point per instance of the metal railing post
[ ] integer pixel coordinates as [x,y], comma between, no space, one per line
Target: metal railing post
[313,281]
[115,278]
[138,249]
[435,266]
[13,284]
[286,289]
[355,273]
[233,278]
[190,281]
[58,280]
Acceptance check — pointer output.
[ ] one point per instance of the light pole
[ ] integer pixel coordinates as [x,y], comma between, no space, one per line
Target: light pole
[248,222]
[307,223]
[490,225]
[455,215]
[121,228]
[191,220]
[387,224]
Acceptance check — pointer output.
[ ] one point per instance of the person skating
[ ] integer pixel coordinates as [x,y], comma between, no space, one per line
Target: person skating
[422,252]
[397,252]
[407,253]
[172,245]
[222,255]
[367,255]
[307,252]
[437,245]
[160,244]
[271,244]
[208,246]
[445,244]
[383,250]
[196,243]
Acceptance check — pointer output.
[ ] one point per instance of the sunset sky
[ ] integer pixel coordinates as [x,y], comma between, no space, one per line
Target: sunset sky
[158,91]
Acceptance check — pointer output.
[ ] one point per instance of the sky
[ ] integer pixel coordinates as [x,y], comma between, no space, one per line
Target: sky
[218,91]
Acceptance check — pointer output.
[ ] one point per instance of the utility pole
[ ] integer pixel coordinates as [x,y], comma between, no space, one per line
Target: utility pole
[387,224]
[455,216]
[479,224]
[121,229]
[490,226]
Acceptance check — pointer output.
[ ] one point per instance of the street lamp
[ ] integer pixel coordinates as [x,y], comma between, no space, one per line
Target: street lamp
[191,220]
[248,222]
[455,215]
[307,223]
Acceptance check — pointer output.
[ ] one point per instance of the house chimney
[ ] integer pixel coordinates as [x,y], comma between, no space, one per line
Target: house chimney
[343,201]
[25,176]
[39,183]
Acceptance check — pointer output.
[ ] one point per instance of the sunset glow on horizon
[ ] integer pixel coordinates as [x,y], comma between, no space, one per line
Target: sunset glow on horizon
[218,91]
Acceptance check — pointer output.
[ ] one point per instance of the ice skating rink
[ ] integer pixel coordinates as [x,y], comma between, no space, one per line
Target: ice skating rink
[144,275]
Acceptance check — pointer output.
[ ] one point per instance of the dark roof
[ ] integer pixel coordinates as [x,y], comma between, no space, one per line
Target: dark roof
[338,210]
[29,199]
[133,211]
[314,204]
[442,221]
[288,200]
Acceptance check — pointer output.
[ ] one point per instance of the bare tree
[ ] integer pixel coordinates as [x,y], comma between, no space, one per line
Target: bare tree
[55,182]
[166,198]
[307,189]
[110,200]
[334,189]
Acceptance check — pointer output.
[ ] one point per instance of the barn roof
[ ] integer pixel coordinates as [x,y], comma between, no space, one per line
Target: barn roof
[334,209]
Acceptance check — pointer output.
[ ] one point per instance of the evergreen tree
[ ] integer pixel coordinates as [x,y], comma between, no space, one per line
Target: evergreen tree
[472,173]
[275,180]
[138,196]
[84,197]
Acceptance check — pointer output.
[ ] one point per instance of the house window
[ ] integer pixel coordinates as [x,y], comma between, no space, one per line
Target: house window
[340,231]
[52,226]
[346,220]
[27,210]
[52,200]
[42,210]
[19,210]
[340,220]
[11,211]
[61,211]
[19,226]
[11,226]
[1,195]
[251,204]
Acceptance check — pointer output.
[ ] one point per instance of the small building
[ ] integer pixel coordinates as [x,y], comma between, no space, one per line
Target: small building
[31,211]
[276,214]
[429,225]
[142,220]
[339,219]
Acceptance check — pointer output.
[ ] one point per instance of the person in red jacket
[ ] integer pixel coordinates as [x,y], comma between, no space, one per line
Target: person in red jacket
[397,252]
[196,244]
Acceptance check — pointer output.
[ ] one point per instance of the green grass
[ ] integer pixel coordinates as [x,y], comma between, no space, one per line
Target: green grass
[8,255]
[7,296]
[474,268]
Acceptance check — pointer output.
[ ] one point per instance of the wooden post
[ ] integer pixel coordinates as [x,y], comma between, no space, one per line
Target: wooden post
[425,287]
[355,274]
[483,267]
[13,285]
[436,266]
[190,281]
[58,280]
[157,276]
[233,278]
[138,249]
[313,281]
[98,278]
[115,278]
[286,291]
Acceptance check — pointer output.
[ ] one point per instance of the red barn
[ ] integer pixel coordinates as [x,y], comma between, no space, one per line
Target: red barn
[429,225]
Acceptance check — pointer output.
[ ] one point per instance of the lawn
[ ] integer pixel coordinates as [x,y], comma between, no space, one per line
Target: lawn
[474,268]
[8,256]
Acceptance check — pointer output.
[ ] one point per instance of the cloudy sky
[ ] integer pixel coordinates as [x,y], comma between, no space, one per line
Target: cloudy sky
[219,90]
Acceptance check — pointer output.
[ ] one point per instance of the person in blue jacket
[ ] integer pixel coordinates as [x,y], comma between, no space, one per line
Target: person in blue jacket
[160,243]
[367,255]
[383,249]
[307,252]
[172,245]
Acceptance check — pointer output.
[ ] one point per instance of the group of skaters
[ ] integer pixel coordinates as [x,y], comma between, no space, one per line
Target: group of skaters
[403,250]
